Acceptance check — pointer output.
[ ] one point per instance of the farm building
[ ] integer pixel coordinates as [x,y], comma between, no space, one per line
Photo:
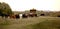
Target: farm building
[33,10]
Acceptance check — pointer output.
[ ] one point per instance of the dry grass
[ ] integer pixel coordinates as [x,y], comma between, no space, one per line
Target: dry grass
[48,24]
[26,23]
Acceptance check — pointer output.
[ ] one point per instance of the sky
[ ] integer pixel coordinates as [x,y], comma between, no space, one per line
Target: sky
[22,5]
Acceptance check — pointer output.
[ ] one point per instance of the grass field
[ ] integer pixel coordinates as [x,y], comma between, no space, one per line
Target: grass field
[42,22]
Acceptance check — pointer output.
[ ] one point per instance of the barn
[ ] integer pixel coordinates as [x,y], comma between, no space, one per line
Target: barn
[33,13]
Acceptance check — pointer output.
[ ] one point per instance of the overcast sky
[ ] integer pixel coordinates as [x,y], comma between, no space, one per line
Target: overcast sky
[22,5]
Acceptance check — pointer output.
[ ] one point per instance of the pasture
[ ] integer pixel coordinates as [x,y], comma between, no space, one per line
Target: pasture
[42,22]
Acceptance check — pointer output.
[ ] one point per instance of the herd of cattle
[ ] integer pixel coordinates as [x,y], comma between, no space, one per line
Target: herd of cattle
[17,16]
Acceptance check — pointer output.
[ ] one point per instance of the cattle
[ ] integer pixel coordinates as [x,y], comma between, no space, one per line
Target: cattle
[29,15]
[17,16]
[42,14]
[35,15]
[24,15]
[58,16]
[12,16]
[4,15]
[32,15]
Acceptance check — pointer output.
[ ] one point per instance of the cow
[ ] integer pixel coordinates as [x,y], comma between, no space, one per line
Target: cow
[4,15]
[42,14]
[58,16]
[32,15]
[12,16]
[25,15]
[17,16]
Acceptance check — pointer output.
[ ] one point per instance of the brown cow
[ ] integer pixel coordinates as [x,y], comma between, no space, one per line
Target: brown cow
[12,16]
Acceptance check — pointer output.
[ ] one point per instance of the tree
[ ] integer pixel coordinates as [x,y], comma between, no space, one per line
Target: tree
[5,8]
